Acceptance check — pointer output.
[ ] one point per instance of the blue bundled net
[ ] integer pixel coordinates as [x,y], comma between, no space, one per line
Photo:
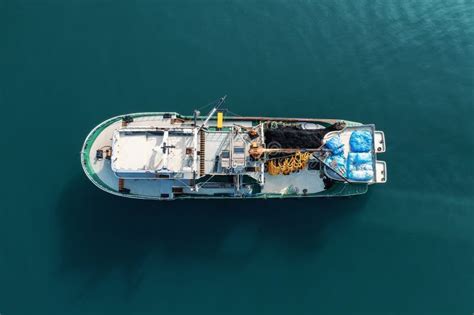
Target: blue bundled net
[337,164]
[361,141]
[360,167]
[335,145]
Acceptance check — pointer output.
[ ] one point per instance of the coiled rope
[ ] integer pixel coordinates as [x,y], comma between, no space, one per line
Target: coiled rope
[292,164]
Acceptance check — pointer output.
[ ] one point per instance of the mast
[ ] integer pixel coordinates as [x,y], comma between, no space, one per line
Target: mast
[219,103]
[195,137]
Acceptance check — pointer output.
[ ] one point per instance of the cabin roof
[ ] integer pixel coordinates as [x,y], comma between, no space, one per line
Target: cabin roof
[142,150]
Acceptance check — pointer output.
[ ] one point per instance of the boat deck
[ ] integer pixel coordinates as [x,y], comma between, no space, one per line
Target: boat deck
[305,183]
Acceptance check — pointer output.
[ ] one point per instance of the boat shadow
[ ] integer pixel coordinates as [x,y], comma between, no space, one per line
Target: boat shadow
[101,233]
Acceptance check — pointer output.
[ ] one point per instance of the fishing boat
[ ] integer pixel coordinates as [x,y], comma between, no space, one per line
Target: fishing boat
[168,156]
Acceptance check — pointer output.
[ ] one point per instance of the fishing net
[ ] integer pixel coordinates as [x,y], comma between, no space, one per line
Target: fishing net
[295,137]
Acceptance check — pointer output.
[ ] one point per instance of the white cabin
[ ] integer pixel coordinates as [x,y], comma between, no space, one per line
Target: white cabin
[153,152]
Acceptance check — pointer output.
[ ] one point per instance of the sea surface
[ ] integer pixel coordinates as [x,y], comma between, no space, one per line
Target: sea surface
[406,247]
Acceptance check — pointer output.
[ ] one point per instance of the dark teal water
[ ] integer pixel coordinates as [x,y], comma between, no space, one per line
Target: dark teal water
[406,247]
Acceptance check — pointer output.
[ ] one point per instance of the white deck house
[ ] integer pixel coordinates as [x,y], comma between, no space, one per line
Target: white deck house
[154,153]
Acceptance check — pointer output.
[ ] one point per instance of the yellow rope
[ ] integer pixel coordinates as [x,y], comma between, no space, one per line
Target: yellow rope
[296,162]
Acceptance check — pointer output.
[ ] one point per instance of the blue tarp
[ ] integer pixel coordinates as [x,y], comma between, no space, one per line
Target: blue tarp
[361,141]
[360,175]
[335,145]
[360,166]
[359,159]
[337,163]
